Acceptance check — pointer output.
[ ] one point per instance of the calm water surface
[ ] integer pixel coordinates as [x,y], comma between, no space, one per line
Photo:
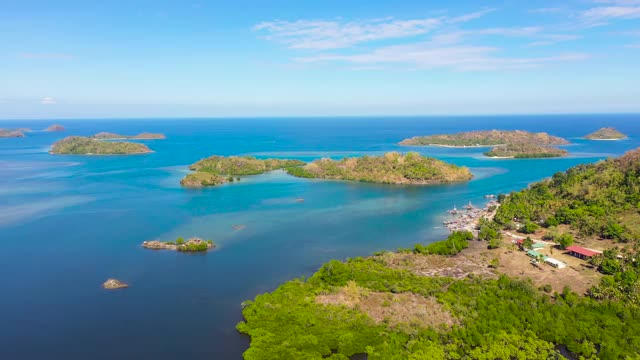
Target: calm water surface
[69,222]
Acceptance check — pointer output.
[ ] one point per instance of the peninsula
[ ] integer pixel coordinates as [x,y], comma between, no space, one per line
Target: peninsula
[141,136]
[192,245]
[606,133]
[8,133]
[505,143]
[78,145]
[391,168]
[478,299]
[217,170]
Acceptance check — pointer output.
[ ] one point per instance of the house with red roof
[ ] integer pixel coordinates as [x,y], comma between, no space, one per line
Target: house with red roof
[582,253]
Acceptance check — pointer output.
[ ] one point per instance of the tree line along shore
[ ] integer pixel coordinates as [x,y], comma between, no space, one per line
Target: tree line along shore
[390,168]
[102,144]
[454,299]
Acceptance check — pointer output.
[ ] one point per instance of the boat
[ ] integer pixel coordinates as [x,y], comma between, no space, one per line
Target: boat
[490,196]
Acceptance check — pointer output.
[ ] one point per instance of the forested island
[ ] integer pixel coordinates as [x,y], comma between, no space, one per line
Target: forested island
[607,133]
[141,136]
[390,168]
[9,133]
[217,170]
[505,143]
[79,145]
[454,300]
[525,151]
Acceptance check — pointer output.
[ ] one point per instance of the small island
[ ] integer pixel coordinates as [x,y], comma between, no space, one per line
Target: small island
[192,245]
[114,284]
[78,145]
[606,133]
[8,133]
[55,127]
[217,170]
[141,136]
[391,168]
[505,143]
[525,151]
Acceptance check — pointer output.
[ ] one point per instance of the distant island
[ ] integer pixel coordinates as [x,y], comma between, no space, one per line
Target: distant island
[78,145]
[55,127]
[606,133]
[217,170]
[141,136]
[9,133]
[505,143]
[192,245]
[391,168]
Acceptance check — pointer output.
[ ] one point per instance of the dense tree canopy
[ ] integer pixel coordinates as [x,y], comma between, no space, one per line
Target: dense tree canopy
[600,199]
[391,168]
[497,319]
[78,145]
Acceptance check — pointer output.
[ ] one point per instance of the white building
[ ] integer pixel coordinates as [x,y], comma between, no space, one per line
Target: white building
[555,263]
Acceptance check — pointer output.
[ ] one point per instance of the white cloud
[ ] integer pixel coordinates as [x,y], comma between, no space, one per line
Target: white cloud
[548,10]
[322,35]
[425,55]
[604,13]
[48,100]
[46,56]
[550,39]
[618,2]
[441,43]
[470,16]
[337,34]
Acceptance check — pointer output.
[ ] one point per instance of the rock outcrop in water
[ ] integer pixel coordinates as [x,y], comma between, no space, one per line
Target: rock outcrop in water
[112,284]
[192,245]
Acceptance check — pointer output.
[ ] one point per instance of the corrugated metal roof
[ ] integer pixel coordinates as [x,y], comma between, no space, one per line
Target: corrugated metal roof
[582,251]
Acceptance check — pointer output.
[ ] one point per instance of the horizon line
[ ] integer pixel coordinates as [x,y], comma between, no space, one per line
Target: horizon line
[241,117]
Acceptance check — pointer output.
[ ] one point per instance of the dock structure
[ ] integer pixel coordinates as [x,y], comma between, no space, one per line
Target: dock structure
[582,253]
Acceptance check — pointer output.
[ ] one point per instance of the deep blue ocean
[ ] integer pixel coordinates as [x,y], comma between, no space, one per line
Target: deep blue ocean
[67,223]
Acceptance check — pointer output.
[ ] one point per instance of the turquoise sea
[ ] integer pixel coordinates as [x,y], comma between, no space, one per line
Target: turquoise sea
[67,223]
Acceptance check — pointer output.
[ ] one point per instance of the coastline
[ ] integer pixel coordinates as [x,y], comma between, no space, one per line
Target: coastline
[92,154]
[618,139]
[128,138]
[457,146]
[499,157]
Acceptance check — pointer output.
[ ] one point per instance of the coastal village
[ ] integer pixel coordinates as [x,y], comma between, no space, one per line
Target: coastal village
[527,255]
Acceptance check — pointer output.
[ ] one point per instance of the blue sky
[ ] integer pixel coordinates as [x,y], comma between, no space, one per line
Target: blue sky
[138,58]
